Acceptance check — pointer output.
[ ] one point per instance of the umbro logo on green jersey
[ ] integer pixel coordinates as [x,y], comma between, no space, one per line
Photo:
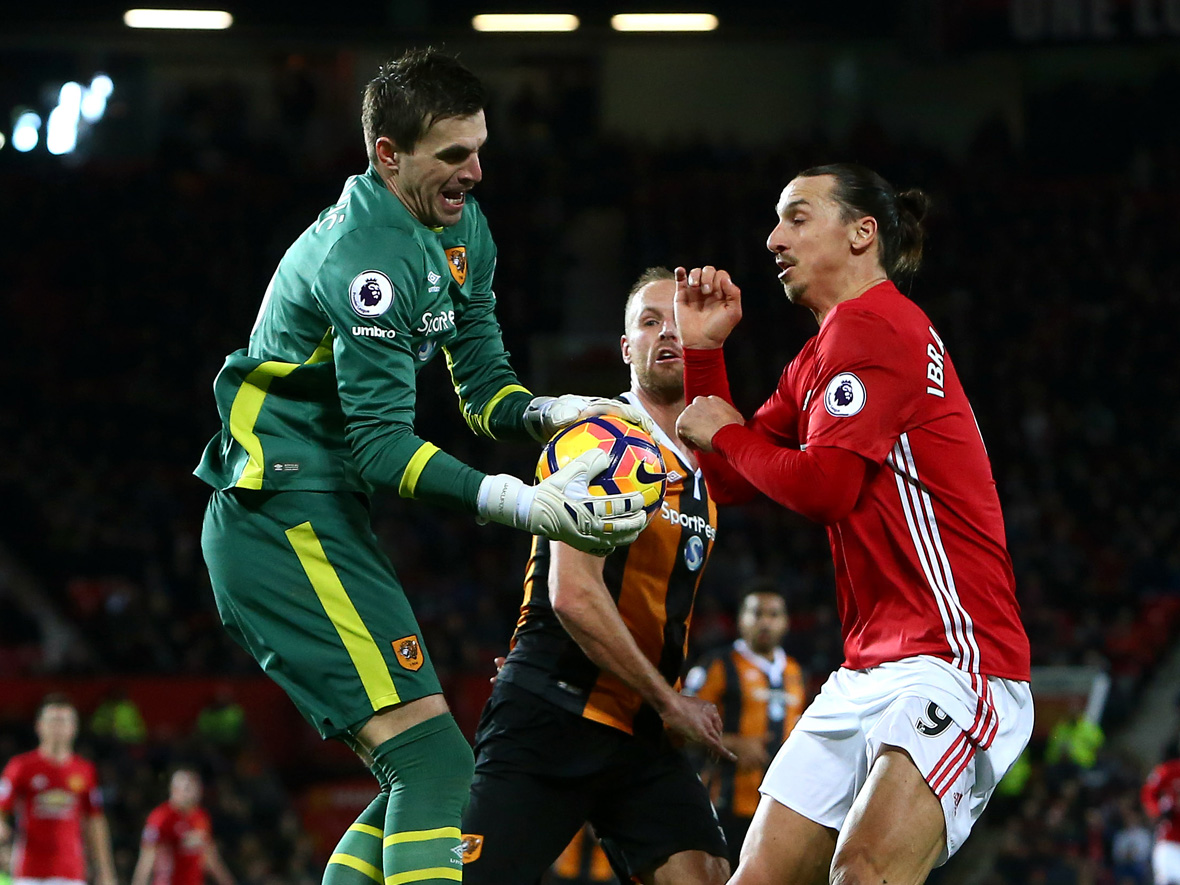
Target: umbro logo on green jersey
[371,293]
[373,332]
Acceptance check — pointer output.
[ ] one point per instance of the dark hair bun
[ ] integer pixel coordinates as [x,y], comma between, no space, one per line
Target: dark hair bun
[915,202]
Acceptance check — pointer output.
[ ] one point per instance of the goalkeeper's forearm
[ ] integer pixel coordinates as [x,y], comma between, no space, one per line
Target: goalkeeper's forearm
[561,508]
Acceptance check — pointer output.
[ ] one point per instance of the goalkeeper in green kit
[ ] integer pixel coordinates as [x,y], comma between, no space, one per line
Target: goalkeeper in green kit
[318,412]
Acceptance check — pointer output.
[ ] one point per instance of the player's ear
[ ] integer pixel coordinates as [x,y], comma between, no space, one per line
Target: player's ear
[625,349]
[862,234]
[388,156]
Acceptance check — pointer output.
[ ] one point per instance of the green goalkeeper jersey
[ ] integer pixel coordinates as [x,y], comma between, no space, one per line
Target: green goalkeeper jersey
[323,396]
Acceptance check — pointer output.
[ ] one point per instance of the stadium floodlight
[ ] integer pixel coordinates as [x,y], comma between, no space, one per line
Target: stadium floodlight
[664,21]
[61,134]
[536,22]
[3,141]
[178,19]
[94,99]
[25,132]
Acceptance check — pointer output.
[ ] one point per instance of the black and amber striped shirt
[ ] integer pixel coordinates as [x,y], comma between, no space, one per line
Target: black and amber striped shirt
[653,582]
[757,697]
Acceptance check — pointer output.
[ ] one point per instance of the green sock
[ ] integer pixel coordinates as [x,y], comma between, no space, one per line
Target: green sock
[357,858]
[429,768]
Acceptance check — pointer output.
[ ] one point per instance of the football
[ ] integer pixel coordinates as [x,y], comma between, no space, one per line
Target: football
[636,464]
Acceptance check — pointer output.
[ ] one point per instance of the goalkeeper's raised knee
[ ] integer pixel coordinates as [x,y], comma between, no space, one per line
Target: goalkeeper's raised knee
[429,768]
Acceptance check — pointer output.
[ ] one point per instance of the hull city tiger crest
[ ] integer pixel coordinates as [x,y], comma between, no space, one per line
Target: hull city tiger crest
[471,846]
[457,262]
[409,652]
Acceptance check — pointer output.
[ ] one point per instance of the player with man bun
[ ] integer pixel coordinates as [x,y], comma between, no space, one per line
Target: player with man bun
[870,433]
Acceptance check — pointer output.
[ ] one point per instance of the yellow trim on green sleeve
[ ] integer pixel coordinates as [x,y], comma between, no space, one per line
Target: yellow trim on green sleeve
[455,384]
[362,866]
[485,417]
[480,424]
[413,472]
[358,641]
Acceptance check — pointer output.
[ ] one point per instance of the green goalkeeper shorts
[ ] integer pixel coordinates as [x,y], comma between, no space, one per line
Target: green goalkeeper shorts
[302,585]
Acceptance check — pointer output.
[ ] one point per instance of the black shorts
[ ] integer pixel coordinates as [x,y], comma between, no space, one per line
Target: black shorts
[541,772]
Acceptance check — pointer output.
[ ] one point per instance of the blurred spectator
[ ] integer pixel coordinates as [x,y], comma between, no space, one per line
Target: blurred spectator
[177,846]
[1131,848]
[1075,739]
[222,721]
[118,719]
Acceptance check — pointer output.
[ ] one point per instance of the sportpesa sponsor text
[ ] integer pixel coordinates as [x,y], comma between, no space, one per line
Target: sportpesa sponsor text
[430,323]
[693,523]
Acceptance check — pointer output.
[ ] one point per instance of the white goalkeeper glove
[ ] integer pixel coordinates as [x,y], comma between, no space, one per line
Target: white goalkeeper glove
[561,508]
[545,415]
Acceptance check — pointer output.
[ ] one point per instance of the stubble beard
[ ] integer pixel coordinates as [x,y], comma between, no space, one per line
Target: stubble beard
[662,386]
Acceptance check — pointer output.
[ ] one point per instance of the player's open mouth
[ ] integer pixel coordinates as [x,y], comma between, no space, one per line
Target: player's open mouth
[667,354]
[454,199]
[786,269]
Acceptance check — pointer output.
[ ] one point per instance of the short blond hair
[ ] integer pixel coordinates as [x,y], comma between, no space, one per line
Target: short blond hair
[649,276]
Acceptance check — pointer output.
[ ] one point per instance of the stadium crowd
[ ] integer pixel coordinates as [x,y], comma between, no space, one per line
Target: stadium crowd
[254,818]
[1050,272]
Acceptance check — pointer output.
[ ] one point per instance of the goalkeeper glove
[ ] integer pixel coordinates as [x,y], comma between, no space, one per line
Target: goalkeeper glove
[561,508]
[545,415]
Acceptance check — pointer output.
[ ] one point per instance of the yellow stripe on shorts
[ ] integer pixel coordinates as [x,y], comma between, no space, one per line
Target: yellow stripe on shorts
[347,860]
[366,656]
[423,835]
[419,875]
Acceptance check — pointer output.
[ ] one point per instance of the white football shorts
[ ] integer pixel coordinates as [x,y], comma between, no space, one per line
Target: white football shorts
[53,880]
[963,740]
[1165,862]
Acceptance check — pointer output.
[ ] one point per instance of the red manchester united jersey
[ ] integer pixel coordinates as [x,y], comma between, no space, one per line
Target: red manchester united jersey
[182,838]
[50,800]
[1161,798]
[921,561]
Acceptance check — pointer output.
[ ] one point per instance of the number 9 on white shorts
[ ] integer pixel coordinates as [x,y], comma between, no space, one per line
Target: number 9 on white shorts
[962,731]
